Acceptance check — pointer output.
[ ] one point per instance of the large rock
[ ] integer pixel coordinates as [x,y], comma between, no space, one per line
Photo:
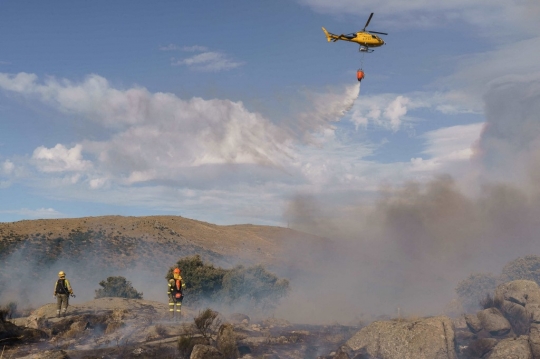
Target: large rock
[518,291]
[512,348]
[494,322]
[201,351]
[473,323]
[517,315]
[480,347]
[534,340]
[430,338]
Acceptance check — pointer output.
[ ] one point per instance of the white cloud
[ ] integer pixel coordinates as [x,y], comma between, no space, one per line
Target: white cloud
[447,147]
[395,111]
[194,48]
[173,47]
[210,154]
[512,15]
[170,47]
[476,72]
[8,167]
[208,61]
[60,159]
[96,183]
[35,213]
[387,110]
[152,133]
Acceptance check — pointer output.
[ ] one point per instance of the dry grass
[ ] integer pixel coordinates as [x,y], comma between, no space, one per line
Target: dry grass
[113,327]
[76,330]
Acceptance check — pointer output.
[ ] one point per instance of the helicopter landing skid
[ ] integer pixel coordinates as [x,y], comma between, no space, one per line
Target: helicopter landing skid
[365,49]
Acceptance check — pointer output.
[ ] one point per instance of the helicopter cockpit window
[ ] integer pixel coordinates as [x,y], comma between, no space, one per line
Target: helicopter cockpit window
[373,36]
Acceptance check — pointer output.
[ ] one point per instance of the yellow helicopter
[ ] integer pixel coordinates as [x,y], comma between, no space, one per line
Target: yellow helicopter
[364,38]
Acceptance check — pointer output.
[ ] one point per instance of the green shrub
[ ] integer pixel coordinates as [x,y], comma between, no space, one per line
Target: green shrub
[117,287]
[473,290]
[527,267]
[253,286]
[202,281]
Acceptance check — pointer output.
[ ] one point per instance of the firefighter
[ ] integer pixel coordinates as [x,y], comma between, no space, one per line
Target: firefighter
[176,285]
[62,291]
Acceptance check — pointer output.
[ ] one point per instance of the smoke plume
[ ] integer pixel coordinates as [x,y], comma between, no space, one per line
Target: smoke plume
[410,247]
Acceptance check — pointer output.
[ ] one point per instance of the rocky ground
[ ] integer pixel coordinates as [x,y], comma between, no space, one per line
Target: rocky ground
[131,328]
[507,328]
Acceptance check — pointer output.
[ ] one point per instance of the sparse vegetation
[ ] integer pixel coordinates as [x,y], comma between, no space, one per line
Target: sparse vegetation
[474,289]
[10,310]
[117,287]
[226,342]
[207,324]
[490,302]
[186,342]
[3,314]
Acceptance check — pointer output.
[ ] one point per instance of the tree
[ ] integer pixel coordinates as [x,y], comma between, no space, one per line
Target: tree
[253,286]
[473,290]
[527,267]
[203,281]
[117,287]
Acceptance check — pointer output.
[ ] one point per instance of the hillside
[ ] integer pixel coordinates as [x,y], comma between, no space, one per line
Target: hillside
[124,242]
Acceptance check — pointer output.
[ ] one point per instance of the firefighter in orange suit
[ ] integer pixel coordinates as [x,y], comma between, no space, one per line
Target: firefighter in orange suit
[176,285]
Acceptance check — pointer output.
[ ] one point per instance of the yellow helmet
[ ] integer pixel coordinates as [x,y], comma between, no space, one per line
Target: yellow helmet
[61,274]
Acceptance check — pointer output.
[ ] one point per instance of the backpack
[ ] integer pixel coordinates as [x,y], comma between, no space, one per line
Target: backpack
[61,287]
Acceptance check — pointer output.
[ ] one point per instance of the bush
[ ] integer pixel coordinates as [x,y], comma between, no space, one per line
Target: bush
[10,310]
[185,344]
[203,281]
[207,323]
[527,267]
[253,286]
[473,290]
[117,287]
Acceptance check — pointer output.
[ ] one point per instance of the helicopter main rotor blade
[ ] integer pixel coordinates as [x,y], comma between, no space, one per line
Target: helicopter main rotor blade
[376,32]
[368,20]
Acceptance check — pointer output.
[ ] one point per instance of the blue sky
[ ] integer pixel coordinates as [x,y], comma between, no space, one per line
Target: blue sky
[225,111]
